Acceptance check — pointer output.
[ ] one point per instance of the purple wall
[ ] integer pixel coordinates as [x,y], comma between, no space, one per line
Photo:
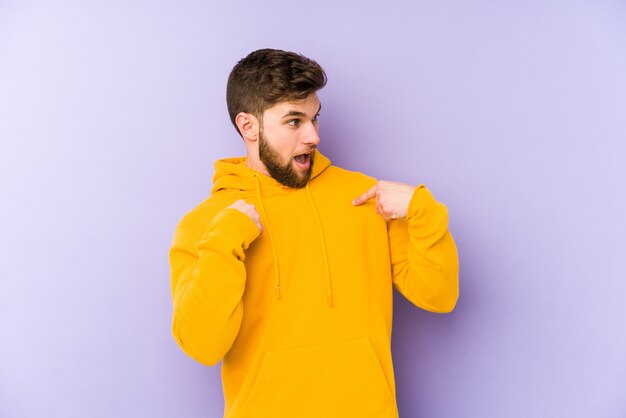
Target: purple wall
[514,115]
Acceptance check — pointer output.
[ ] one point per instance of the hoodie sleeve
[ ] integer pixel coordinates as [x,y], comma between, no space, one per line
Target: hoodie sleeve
[424,259]
[208,279]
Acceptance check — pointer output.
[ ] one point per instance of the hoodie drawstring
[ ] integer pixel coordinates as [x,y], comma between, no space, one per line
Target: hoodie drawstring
[269,233]
[268,228]
[324,252]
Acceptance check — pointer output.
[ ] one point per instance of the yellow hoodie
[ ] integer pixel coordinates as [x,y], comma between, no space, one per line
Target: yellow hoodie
[301,313]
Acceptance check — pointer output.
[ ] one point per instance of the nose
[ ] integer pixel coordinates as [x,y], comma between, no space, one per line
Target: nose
[311,136]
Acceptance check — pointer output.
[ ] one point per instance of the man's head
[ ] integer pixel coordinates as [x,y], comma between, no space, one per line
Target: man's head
[272,102]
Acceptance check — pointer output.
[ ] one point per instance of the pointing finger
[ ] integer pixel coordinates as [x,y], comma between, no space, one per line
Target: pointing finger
[370,194]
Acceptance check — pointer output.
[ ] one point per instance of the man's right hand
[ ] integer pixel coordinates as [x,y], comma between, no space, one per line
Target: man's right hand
[248,209]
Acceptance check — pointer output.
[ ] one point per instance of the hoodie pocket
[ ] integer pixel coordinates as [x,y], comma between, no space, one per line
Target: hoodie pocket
[338,380]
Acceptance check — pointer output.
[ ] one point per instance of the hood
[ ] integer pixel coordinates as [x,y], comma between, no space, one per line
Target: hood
[234,174]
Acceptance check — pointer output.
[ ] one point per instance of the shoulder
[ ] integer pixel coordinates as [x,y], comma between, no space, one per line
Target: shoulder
[195,221]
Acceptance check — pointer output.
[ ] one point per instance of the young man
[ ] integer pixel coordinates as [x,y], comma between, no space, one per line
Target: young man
[286,271]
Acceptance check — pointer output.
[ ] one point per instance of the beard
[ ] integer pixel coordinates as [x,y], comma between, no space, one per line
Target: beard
[285,174]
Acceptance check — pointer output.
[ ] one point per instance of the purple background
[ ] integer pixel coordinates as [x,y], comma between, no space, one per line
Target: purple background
[513,113]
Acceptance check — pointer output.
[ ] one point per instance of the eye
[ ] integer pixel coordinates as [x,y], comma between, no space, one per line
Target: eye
[293,122]
[315,118]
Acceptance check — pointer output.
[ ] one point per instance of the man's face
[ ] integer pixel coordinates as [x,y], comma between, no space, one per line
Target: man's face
[288,135]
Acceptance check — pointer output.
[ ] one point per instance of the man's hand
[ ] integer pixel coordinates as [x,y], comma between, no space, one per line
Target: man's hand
[248,209]
[392,198]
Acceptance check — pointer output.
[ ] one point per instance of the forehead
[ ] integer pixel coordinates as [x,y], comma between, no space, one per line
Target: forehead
[309,106]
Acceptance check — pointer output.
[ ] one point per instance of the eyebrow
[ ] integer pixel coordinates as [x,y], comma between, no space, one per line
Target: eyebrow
[299,114]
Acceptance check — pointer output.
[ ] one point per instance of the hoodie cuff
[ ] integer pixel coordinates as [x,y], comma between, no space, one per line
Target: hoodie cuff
[423,205]
[232,224]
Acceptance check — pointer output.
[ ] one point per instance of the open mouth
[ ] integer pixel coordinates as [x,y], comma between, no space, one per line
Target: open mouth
[303,160]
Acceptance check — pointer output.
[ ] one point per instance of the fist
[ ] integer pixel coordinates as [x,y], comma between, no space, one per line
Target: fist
[392,198]
[249,210]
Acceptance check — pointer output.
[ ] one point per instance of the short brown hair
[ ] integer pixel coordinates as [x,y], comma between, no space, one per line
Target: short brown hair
[268,76]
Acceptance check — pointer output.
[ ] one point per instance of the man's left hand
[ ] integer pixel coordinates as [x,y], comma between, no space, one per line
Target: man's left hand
[392,198]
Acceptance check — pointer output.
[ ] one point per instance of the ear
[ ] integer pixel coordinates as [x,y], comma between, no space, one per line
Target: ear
[248,126]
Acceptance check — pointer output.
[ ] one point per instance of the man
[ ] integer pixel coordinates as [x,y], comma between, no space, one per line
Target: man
[286,271]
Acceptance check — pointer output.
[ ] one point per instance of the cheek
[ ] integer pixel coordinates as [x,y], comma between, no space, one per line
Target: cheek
[284,142]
